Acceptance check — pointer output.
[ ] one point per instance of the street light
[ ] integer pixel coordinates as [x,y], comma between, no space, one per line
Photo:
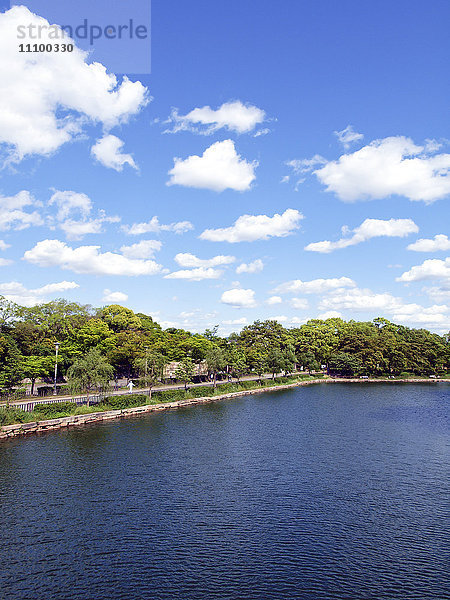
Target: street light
[56,367]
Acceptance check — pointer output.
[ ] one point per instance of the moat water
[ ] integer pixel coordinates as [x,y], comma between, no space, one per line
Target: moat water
[322,492]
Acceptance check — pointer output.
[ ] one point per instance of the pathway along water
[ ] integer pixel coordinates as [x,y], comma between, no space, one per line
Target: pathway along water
[321,492]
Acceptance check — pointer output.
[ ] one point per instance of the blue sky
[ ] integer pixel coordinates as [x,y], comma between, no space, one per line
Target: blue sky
[321,122]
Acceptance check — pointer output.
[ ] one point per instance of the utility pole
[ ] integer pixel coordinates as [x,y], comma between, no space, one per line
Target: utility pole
[56,367]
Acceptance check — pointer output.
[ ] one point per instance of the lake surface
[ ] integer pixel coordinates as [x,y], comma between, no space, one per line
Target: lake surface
[322,492]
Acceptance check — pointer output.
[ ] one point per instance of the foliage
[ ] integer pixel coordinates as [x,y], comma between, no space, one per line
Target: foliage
[133,345]
[185,371]
[11,415]
[11,368]
[54,410]
[125,401]
[216,361]
[90,373]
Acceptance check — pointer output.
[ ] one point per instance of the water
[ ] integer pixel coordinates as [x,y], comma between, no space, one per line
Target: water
[324,492]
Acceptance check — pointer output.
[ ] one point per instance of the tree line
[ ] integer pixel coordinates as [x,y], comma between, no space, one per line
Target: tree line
[98,345]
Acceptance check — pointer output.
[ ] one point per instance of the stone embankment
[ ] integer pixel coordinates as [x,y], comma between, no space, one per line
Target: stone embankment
[9,431]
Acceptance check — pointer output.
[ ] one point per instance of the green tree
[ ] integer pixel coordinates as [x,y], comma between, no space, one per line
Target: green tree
[185,371]
[11,371]
[120,318]
[150,367]
[34,367]
[216,362]
[236,360]
[308,361]
[275,361]
[289,358]
[92,372]
[345,364]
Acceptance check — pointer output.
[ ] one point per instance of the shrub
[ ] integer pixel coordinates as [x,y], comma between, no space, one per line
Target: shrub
[55,410]
[169,395]
[125,401]
[9,416]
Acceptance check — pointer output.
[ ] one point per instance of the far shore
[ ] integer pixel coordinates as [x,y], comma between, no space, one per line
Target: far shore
[9,431]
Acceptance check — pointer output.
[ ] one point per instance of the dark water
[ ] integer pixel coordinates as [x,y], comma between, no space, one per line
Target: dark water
[337,491]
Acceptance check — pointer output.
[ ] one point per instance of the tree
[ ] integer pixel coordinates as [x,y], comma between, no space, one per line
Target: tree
[35,367]
[185,371]
[345,364]
[289,359]
[150,368]
[215,359]
[89,373]
[237,363]
[308,361]
[8,312]
[275,361]
[120,318]
[10,363]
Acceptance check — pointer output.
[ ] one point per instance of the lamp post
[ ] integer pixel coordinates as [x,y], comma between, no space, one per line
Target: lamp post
[56,367]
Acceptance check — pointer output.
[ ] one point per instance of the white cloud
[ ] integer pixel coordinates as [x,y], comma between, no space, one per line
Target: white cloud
[436,315]
[367,301]
[439,242]
[109,296]
[46,97]
[249,228]
[255,266]
[88,260]
[234,116]
[368,229]
[280,319]
[68,202]
[73,210]
[432,268]
[315,286]
[439,294]
[185,259]
[242,321]
[154,226]
[348,136]
[391,166]
[17,292]
[330,314]
[239,298]
[299,303]
[305,165]
[143,249]
[76,230]
[274,300]
[358,300]
[12,213]
[4,261]
[108,152]
[218,169]
[297,320]
[198,274]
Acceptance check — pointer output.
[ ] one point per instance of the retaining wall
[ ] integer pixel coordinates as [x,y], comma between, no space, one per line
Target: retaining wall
[9,431]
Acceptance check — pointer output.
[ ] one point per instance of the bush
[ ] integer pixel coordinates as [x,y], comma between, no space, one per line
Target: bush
[125,401]
[9,416]
[55,410]
[169,395]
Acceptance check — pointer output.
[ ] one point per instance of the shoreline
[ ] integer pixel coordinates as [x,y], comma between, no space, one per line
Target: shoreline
[10,431]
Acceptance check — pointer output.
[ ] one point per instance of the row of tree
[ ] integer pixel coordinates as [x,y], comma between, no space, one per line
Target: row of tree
[132,344]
